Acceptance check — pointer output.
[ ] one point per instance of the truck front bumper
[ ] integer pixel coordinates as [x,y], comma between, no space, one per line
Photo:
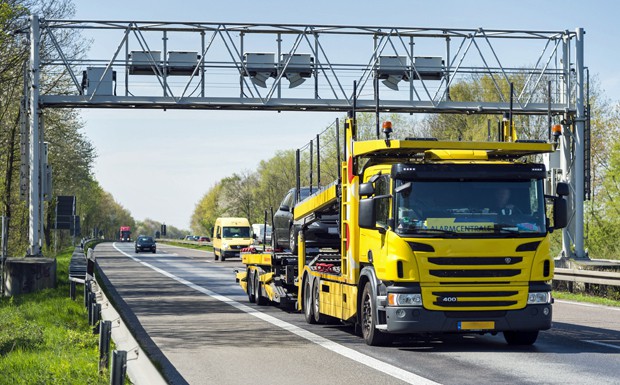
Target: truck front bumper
[231,253]
[420,320]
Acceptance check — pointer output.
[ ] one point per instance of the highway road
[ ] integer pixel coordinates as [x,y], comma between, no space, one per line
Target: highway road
[193,315]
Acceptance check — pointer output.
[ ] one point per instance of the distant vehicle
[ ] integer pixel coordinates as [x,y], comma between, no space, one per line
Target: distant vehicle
[195,237]
[261,233]
[189,237]
[230,235]
[204,239]
[125,234]
[323,233]
[145,244]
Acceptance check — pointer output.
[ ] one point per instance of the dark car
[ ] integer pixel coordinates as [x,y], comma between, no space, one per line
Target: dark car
[204,239]
[320,234]
[145,244]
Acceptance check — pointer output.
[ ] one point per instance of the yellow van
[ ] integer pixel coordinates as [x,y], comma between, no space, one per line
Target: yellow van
[230,235]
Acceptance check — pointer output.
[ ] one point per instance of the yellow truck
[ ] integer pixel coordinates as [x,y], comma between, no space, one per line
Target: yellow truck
[436,237]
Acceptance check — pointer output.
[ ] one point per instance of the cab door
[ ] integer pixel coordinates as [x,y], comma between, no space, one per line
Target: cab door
[373,245]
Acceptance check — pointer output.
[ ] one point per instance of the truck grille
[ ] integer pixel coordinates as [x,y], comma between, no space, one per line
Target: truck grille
[459,267]
[498,280]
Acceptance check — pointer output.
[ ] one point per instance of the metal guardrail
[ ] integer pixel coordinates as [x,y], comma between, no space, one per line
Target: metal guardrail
[587,276]
[199,243]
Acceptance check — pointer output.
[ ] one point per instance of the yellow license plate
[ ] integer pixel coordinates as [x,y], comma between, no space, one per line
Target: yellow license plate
[476,325]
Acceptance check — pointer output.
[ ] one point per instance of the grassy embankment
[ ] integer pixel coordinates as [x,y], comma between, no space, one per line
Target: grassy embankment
[45,337]
[577,297]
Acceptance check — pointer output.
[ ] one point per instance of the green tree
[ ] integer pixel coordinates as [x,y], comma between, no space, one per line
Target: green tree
[207,210]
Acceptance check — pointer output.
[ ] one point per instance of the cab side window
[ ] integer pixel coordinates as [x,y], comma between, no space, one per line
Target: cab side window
[382,208]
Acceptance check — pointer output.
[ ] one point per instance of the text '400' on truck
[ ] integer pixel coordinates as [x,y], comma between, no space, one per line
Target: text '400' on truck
[436,237]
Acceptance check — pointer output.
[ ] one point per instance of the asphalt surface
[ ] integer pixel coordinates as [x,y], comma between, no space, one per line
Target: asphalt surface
[196,321]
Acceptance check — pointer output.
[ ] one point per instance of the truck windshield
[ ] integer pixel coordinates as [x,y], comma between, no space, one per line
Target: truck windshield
[236,232]
[474,207]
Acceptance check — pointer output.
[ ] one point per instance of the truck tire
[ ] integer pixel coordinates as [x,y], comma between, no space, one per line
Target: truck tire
[215,255]
[368,319]
[258,297]
[318,317]
[249,277]
[308,303]
[521,338]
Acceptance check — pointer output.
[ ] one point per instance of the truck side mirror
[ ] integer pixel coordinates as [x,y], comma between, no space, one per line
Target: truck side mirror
[562,189]
[560,213]
[367,215]
[366,189]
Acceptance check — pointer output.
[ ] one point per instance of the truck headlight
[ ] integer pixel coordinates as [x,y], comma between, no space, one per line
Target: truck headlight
[538,298]
[395,299]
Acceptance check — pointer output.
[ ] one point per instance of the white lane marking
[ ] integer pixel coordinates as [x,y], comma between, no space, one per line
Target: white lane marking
[603,344]
[587,304]
[356,356]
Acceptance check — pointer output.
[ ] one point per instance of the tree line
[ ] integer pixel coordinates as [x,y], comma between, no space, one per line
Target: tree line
[71,155]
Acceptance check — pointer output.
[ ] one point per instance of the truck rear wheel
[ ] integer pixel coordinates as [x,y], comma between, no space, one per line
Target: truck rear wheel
[308,305]
[520,337]
[318,318]
[368,319]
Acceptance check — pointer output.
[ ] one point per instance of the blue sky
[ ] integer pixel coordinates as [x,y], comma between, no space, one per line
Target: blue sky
[159,164]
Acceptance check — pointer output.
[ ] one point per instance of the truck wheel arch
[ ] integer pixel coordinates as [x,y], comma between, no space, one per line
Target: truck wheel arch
[367,274]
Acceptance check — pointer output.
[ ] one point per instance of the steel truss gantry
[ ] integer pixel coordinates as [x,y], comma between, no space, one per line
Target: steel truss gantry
[248,66]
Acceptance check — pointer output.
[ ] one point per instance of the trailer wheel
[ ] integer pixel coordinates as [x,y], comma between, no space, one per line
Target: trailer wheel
[258,297]
[308,305]
[520,337]
[368,319]
[249,277]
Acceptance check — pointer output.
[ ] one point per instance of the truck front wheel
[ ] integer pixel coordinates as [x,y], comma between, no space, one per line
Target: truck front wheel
[521,337]
[368,319]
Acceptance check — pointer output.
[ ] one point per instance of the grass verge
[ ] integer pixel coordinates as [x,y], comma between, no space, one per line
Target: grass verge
[578,297]
[45,337]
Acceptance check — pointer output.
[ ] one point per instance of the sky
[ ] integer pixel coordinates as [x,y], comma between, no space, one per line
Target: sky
[158,164]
